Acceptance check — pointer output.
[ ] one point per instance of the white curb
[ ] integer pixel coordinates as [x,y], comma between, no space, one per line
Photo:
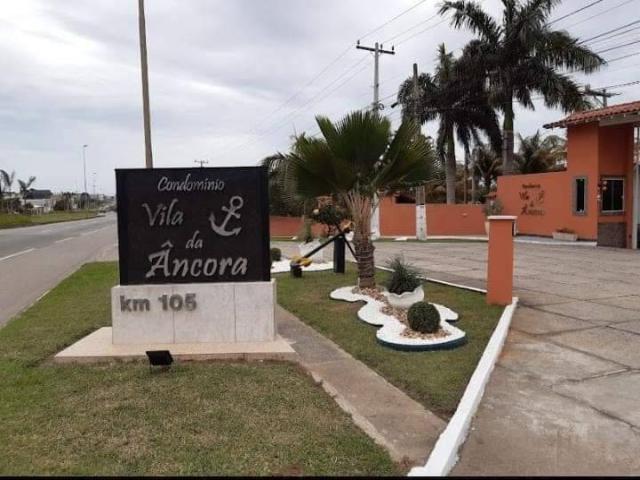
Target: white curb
[445,453]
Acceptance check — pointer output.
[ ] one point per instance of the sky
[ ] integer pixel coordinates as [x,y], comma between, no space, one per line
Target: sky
[231,80]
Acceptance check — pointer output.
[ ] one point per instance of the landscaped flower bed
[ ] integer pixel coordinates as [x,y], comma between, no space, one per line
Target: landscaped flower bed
[436,378]
[396,331]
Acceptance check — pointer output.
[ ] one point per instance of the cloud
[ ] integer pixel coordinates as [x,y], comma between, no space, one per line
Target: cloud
[220,71]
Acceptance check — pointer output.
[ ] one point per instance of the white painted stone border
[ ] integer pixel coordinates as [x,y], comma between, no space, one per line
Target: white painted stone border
[391,331]
[444,455]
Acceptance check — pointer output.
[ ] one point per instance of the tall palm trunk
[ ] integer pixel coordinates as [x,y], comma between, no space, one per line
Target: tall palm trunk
[450,169]
[361,209]
[507,139]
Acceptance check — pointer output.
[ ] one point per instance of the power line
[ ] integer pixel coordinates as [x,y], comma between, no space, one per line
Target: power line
[410,28]
[422,31]
[617,46]
[599,14]
[603,34]
[575,12]
[615,36]
[380,27]
[623,57]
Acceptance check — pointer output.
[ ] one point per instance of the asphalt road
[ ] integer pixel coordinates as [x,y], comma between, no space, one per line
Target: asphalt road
[34,259]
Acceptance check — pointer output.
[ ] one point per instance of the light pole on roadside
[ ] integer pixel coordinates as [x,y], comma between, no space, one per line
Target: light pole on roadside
[145,85]
[84,165]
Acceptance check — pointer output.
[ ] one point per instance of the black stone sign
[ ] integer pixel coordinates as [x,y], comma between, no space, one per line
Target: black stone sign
[193,225]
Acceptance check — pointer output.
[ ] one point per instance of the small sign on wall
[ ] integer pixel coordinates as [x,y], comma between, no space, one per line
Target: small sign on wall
[532,197]
[193,225]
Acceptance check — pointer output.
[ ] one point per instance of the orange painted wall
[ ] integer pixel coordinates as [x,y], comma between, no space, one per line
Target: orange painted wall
[593,152]
[289,226]
[551,212]
[397,219]
[462,219]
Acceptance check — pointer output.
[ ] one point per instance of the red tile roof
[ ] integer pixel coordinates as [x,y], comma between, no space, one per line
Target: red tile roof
[589,116]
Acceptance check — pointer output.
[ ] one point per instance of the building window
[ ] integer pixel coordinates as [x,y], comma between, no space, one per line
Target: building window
[612,195]
[580,196]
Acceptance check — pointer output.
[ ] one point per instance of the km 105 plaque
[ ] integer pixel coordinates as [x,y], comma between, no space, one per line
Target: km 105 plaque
[193,225]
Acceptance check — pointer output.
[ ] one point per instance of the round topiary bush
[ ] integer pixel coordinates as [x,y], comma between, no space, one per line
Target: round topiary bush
[276,254]
[423,317]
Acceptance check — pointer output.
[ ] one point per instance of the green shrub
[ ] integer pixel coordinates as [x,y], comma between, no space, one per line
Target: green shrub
[423,317]
[276,254]
[403,278]
[330,216]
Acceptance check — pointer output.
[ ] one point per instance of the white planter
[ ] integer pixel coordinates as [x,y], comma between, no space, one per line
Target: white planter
[406,299]
[565,237]
[303,248]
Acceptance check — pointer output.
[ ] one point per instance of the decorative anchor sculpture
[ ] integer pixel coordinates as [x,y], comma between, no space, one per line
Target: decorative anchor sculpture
[235,204]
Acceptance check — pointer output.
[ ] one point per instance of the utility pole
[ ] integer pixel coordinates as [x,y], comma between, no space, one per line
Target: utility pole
[421,209]
[377,50]
[84,165]
[601,96]
[474,158]
[145,85]
[202,163]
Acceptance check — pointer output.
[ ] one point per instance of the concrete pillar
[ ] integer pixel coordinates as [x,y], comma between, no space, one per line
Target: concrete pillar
[500,265]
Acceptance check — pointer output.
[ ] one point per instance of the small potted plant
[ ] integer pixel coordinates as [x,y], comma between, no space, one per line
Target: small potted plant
[309,243]
[491,208]
[565,234]
[404,286]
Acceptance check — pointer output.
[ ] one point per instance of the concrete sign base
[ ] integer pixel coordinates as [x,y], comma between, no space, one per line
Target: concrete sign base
[97,347]
[193,313]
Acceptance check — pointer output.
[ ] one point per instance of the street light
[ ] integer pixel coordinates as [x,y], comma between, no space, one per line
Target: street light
[84,165]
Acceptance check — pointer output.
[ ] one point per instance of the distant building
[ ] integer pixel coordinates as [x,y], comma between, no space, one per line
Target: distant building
[41,200]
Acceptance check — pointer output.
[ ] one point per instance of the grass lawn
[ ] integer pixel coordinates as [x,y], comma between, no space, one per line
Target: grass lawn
[436,379]
[118,419]
[10,220]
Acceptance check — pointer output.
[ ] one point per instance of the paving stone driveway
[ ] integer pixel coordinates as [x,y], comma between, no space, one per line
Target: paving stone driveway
[565,396]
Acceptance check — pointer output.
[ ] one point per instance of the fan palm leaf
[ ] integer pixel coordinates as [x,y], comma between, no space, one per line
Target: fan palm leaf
[358,159]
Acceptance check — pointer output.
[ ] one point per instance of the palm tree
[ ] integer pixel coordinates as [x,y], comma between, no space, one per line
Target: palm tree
[538,155]
[461,112]
[522,55]
[279,202]
[25,185]
[6,180]
[358,159]
[486,166]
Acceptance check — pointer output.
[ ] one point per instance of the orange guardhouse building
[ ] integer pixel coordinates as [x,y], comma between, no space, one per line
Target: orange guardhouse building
[597,197]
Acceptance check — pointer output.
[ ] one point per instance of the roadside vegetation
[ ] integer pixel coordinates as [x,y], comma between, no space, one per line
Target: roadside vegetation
[12,220]
[195,419]
[437,379]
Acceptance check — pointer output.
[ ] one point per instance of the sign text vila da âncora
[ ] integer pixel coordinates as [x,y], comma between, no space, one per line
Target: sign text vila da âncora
[193,225]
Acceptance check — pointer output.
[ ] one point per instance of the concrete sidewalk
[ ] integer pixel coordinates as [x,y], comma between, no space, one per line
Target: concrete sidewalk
[387,414]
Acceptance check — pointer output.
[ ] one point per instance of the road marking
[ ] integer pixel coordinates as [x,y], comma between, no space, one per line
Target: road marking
[46,231]
[16,254]
[90,232]
[64,239]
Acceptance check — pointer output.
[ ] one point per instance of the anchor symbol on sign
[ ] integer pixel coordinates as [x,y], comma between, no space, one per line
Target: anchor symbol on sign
[235,204]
